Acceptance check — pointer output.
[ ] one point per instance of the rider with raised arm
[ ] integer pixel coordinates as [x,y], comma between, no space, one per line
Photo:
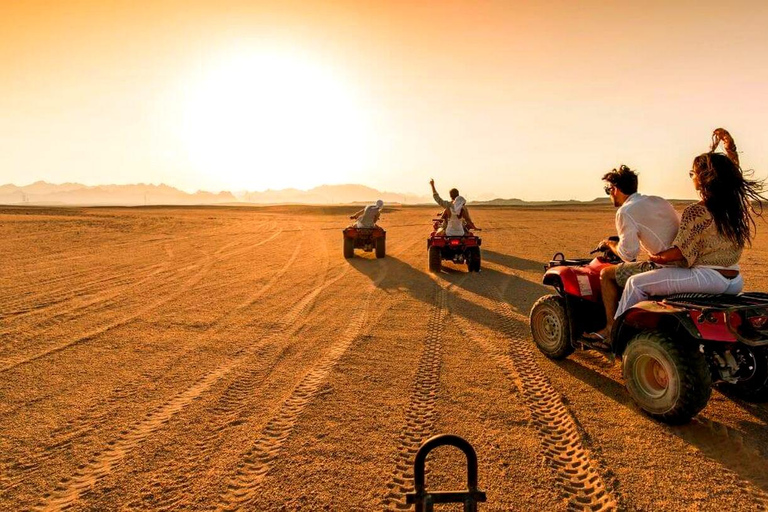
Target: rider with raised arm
[455,214]
[704,257]
[647,222]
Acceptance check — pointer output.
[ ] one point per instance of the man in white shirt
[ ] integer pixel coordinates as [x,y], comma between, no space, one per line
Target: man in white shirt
[647,222]
[368,216]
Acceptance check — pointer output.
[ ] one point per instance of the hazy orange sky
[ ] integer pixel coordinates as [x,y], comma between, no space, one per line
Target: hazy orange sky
[499,98]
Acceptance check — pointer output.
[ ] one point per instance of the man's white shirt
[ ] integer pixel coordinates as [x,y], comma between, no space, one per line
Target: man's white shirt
[368,219]
[650,222]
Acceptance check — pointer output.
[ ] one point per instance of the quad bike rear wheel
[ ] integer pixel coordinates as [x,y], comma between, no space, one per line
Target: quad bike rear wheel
[669,381]
[473,259]
[549,327]
[381,247]
[349,248]
[754,387]
[435,261]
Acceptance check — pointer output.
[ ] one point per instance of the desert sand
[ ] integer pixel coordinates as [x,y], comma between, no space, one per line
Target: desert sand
[219,358]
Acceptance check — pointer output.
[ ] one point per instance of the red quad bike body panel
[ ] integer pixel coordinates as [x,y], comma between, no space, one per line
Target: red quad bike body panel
[583,282]
[713,326]
[365,238]
[454,242]
[365,233]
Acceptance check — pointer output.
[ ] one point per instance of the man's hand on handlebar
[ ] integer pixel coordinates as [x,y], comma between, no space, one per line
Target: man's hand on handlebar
[601,247]
[608,246]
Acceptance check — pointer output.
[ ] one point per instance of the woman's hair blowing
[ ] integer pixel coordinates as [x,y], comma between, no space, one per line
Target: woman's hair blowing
[728,192]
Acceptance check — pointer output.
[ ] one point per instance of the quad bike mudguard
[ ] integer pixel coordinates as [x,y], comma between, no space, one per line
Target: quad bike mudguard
[712,318]
[453,241]
[576,281]
[364,233]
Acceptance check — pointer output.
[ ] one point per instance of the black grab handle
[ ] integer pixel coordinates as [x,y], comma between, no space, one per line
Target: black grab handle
[424,500]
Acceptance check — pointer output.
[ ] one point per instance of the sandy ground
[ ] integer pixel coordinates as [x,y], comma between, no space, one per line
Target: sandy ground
[230,358]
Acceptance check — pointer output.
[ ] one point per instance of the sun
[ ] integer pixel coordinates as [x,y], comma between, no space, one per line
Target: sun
[275,121]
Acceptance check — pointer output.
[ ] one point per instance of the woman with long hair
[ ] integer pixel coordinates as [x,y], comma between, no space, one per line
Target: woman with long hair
[713,232]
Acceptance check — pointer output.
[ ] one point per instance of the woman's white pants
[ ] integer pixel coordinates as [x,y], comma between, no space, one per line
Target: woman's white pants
[668,281]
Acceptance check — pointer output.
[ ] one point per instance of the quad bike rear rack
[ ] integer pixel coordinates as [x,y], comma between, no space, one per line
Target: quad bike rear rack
[706,306]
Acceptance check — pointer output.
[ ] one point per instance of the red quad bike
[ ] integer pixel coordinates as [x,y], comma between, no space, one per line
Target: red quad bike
[672,348]
[366,239]
[458,249]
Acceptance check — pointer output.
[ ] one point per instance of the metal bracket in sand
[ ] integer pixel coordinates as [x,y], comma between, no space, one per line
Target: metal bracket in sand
[424,500]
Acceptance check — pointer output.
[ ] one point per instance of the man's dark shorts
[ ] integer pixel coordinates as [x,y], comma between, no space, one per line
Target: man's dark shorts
[626,270]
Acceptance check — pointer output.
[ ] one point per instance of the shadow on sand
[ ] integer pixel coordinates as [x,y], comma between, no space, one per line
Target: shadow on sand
[709,436]
[519,293]
[513,262]
[703,433]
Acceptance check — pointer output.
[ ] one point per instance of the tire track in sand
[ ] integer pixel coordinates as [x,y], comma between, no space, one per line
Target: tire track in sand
[201,271]
[562,446]
[101,464]
[256,462]
[420,415]
[66,284]
[98,414]
[77,303]
[227,413]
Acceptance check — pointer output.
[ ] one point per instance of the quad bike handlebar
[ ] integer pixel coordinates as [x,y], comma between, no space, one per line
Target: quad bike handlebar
[608,254]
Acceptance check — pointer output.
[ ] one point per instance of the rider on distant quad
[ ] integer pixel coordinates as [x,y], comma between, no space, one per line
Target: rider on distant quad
[456,219]
[649,222]
[368,216]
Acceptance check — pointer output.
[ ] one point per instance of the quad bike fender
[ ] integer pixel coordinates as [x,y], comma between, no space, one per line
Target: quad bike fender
[647,315]
[435,241]
[355,232]
[456,242]
[575,281]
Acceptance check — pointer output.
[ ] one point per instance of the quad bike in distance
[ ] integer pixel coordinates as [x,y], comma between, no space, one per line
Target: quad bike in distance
[458,249]
[367,239]
[672,348]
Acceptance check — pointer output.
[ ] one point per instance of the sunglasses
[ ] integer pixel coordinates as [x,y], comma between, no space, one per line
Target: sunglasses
[608,190]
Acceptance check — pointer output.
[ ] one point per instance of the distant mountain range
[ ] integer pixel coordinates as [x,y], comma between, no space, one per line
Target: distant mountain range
[42,193]
[331,194]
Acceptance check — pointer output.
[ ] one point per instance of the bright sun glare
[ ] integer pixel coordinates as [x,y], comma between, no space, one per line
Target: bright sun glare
[275,121]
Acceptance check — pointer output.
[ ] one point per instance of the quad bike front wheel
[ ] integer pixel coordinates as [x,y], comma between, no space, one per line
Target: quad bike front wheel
[435,261]
[669,381]
[349,248]
[549,327]
[381,247]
